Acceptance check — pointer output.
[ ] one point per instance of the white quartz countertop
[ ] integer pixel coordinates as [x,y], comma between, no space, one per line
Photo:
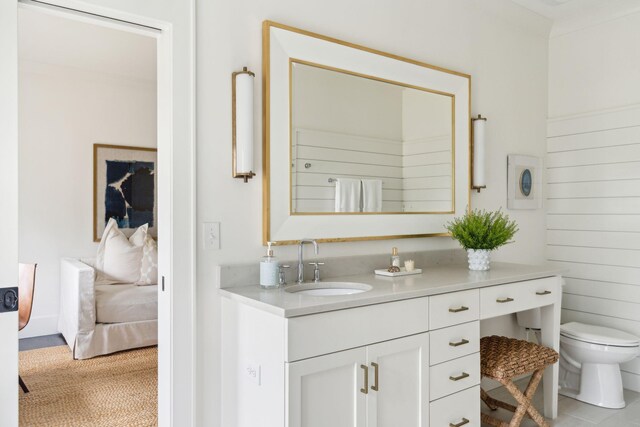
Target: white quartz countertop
[432,281]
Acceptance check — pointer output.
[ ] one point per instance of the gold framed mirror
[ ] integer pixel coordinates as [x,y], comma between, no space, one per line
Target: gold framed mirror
[359,144]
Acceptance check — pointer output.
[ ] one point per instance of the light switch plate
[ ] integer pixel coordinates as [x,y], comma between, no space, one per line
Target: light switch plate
[211,235]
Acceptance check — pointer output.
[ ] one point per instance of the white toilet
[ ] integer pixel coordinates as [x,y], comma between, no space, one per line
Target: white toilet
[590,358]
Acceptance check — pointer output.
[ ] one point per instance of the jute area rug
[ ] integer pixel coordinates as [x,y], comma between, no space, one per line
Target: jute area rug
[118,390]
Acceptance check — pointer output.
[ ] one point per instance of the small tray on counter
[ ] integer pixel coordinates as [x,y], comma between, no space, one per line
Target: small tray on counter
[403,272]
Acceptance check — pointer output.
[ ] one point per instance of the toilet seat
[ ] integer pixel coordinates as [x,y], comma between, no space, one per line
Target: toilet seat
[598,335]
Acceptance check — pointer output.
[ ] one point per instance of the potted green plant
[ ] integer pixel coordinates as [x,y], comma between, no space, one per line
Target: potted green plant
[479,232]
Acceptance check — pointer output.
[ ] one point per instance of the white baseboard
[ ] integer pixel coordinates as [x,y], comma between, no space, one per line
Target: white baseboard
[39,326]
[631,381]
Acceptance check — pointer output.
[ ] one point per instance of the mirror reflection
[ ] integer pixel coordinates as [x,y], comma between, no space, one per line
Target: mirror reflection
[360,144]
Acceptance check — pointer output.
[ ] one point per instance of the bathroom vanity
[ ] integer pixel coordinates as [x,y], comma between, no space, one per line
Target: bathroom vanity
[404,353]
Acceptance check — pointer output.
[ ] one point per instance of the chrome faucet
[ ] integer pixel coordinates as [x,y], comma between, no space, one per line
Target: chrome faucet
[300,261]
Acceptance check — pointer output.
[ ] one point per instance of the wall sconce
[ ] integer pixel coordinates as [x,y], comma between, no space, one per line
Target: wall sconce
[478,125]
[242,123]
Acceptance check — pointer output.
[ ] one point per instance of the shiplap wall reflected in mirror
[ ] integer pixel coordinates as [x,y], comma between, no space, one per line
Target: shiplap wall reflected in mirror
[345,125]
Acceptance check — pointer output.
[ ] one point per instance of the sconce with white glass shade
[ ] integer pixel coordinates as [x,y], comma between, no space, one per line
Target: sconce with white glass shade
[242,123]
[478,151]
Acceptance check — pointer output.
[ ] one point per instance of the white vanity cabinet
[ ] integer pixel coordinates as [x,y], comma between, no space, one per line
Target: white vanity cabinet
[384,384]
[364,366]
[297,361]
[325,390]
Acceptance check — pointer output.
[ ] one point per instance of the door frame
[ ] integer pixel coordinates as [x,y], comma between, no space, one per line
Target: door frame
[176,183]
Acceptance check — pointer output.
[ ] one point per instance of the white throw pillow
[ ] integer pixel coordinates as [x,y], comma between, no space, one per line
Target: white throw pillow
[119,258]
[149,265]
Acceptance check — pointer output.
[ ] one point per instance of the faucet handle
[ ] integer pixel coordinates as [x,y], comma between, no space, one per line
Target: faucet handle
[316,271]
[282,279]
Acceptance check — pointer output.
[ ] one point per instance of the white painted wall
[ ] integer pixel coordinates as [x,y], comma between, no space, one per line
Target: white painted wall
[594,172]
[63,111]
[503,47]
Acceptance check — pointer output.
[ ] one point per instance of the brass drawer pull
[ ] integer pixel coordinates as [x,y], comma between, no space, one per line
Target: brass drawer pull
[503,300]
[365,389]
[459,309]
[543,293]
[460,424]
[459,343]
[374,387]
[459,377]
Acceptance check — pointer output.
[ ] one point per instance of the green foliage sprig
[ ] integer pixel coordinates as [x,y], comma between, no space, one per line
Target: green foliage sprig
[482,230]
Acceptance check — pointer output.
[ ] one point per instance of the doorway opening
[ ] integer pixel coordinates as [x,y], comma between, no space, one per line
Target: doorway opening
[88,128]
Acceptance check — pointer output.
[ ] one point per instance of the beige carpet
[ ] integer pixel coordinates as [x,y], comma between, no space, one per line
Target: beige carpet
[115,390]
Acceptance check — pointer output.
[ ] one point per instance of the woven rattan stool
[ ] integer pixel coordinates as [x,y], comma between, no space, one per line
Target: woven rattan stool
[504,358]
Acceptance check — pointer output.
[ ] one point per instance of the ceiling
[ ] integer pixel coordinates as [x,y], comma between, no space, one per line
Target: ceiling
[560,9]
[52,39]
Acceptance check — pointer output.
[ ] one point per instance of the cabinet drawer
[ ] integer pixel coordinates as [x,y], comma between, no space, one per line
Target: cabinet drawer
[455,375]
[453,309]
[453,342]
[513,297]
[455,409]
[323,333]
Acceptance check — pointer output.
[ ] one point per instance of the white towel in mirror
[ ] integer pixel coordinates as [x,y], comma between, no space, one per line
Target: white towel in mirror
[348,195]
[371,195]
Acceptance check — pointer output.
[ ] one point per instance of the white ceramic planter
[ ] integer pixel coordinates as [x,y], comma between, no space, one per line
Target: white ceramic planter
[479,259]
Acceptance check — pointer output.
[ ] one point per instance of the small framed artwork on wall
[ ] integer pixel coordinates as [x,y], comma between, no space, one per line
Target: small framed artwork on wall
[524,182]
[124,187]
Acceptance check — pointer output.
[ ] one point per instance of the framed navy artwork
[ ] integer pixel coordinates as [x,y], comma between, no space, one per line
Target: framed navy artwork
[124,187]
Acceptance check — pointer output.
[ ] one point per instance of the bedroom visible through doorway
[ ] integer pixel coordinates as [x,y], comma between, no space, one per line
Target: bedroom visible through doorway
[88,133]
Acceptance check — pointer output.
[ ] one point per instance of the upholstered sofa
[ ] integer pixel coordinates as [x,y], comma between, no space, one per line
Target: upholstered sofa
[102,319]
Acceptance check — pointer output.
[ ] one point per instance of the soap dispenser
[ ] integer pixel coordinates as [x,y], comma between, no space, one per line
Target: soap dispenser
[395,258]
[269,269]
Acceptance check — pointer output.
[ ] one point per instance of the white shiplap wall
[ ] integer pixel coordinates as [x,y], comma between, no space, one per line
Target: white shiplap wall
[339,155]
[427,179]
[416,175]
[593,222]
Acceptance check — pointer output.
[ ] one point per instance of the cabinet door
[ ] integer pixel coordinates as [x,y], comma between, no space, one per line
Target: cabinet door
[325,391]
[402,382]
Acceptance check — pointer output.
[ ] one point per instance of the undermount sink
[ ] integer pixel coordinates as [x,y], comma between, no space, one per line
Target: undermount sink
[325,289]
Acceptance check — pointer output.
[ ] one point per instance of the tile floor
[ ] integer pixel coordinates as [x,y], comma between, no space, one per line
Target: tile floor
[572,413]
